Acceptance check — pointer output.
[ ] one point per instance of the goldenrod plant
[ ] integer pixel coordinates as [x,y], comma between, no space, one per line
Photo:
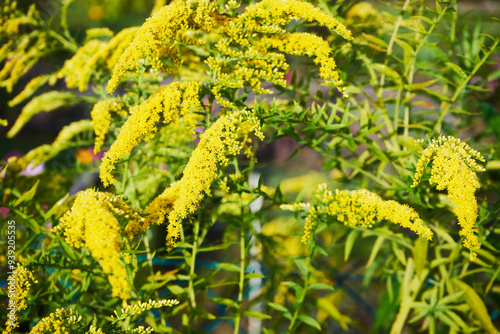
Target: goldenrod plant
[252,166]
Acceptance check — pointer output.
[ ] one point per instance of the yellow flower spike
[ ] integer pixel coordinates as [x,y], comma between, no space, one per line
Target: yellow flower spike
[29,89]
[359,208]
[310,45]
[115,47]
[21,279]
[60,321]
[42,103]
[91,222]
[141,307]
[141,125]
[221,140]
[282,12]
[454,169]
[101,116]
[158,33]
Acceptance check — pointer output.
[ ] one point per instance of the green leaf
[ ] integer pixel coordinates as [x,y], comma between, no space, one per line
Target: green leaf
[255,314]
[279,308]
[320,250]
[440,96]
[301,265]
[375,40]
[320,286]
[224,301]
[349,243]
[27,196]
[68,250]
[420,85]
[309,321]
[405,46]
[176,290]
[254,275]
[376,247]
[153,286]
[216,247]
[477,305]
[327,306]
[479,89]
[387,71]
[57,205]
[229,267]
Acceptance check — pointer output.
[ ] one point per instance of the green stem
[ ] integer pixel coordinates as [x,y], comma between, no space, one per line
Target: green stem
[300,302]
[291,328]
[192,264]
[66,44]
[410,72]
[241,284]
[391,44]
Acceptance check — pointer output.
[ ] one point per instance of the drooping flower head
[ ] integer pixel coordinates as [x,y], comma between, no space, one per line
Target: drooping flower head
[19,284]
[359,208]
[454,169]
[226,137]
[171,101]
[92,223]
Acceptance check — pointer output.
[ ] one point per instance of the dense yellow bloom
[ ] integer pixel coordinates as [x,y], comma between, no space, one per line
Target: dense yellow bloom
[359,208]
[221,140]
[158,209]
[242,59]
[115,47]
[101,116]
[454,169]
[58,322]
[310,45]
[92,223]
[262,27]
[45,152]
[174,101]
[75,71]
[155,38]
[19,284]
[268,14]
[42,103]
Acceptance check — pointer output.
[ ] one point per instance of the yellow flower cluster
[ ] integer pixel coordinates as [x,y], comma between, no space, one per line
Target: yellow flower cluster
[101,116]
[30,88]
[139,308]
[42,103]
[243,59]
[154,41]
[174,101]
[92,223]
[21,53]
[454,169]
[59,322]
[75,71]
[45,152]
[262,27]
[158,209]
[221,140]
[272,13]
[21,281]
[359,208]
[11,17]
[312,46]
